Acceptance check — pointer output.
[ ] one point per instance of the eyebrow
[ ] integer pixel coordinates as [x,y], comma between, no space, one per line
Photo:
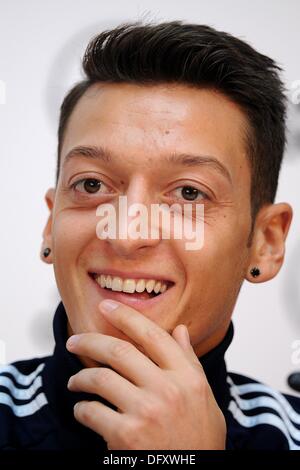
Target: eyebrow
[188,160]
[183,159]
[97,153]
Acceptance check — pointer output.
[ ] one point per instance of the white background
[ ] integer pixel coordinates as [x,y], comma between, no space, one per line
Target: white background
[41,43]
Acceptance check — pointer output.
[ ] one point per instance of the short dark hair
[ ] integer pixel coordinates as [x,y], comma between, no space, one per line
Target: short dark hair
[199,56]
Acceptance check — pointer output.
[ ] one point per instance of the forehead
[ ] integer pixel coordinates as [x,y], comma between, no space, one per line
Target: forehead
[138,121]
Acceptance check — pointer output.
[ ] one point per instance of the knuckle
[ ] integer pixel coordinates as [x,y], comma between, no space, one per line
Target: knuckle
[131,444]
[156,333]
[102,376]
[121,349]
[149,411]
[198,385]
[85,411]
[173,394]
[127,436]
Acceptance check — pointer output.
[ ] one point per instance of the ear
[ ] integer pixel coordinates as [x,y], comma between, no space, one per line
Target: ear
[47,232]
[268,243]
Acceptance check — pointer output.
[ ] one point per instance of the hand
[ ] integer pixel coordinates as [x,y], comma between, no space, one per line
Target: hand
[162,397]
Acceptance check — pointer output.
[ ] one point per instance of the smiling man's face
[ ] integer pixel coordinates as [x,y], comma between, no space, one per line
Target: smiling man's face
[145,134]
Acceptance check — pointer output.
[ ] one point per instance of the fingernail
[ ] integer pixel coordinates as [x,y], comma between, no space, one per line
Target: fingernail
[108,305]
[187,335]
[79,404]
[72,341]
[70,381]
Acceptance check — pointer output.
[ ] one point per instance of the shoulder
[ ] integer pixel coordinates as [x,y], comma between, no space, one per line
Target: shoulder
[21,398]
[261,417]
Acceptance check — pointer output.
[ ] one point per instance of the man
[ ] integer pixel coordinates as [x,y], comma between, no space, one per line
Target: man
[168,113]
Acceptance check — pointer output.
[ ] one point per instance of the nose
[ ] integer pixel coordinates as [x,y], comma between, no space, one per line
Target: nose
[134,230]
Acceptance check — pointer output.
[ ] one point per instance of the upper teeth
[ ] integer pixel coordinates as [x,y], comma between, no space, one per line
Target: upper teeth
[131,285]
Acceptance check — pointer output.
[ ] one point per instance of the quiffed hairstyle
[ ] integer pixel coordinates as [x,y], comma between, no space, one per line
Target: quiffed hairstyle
[199,56]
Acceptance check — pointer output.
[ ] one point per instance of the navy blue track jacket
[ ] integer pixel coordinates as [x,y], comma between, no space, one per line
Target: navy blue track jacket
[36,408]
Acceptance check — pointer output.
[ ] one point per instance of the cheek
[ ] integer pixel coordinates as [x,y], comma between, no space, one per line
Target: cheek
[214,272]
[72,232]
[213,278]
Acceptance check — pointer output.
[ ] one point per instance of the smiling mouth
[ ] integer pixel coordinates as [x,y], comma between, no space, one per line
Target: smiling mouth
[138,288]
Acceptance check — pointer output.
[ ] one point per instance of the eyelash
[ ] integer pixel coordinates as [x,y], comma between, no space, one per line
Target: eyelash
[202,193]
[74,186]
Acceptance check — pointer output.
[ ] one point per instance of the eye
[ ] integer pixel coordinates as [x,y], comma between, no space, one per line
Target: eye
[90,186]
[189,193]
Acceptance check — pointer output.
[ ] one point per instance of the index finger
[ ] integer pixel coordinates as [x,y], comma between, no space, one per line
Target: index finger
[157,343]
